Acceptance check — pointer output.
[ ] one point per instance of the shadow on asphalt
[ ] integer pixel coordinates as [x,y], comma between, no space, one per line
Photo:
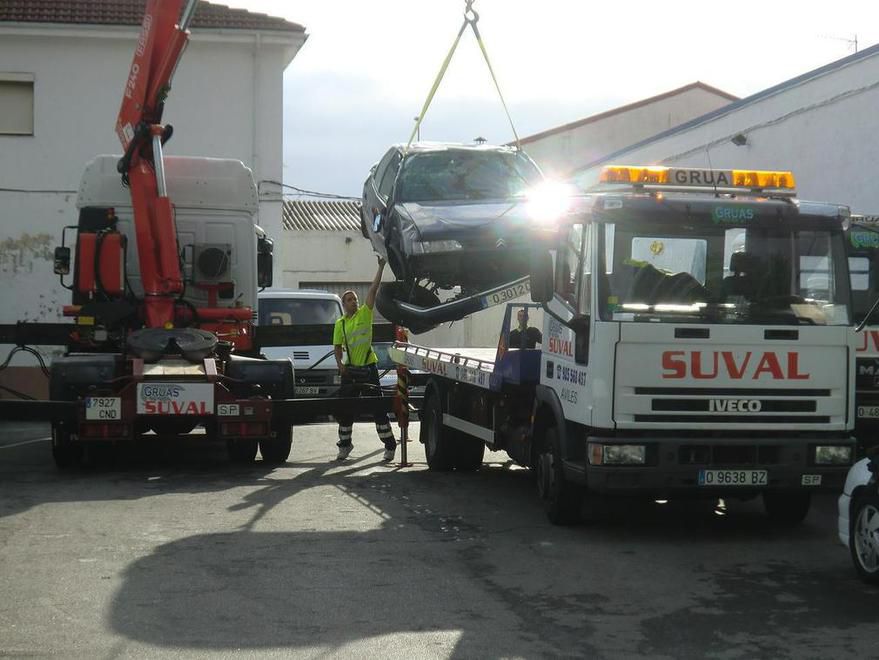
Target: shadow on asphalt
[452,556]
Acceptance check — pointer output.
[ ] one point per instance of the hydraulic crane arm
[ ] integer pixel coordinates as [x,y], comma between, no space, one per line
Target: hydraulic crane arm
[161,43]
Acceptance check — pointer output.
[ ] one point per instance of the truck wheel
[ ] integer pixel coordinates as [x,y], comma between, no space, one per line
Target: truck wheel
[438,447]
[65,453]
[242,451]
[787,508]
[275,451]
[561,499]
[469,451]
[864,537]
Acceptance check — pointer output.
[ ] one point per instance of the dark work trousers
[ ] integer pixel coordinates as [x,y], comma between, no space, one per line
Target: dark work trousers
[369,387]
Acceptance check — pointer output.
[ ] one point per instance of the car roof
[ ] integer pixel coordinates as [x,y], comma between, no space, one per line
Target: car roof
[298,294]
[424,147]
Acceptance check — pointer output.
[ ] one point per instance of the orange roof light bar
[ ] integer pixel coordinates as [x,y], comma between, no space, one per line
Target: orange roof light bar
[656,175]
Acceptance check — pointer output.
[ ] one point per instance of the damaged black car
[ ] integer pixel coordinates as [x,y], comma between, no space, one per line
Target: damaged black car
[448,217]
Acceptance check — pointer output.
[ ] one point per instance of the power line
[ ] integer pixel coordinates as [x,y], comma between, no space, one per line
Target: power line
[308,193]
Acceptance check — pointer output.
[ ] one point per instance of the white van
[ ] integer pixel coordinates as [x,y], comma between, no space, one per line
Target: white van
[316,373]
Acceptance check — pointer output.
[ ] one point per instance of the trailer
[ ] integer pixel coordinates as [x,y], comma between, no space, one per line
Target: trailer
[696,342]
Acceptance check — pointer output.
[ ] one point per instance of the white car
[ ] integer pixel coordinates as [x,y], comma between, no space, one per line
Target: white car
[858,525]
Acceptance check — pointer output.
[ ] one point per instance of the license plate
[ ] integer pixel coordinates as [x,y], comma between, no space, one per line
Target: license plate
[870,412]
[103,408]
[506,295]
[175,399]
[307,390]
[733,477]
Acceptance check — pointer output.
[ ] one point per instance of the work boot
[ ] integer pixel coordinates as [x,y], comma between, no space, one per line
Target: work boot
[344,450]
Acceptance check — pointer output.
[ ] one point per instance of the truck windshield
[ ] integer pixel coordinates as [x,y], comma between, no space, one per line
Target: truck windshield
[459,175]
[692,269]
[289,311]
[862,246]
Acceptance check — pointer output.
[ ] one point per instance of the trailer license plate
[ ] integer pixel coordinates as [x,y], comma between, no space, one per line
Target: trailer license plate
[307,390]
[733,477]
[103,408]
[175,399]
[871,412]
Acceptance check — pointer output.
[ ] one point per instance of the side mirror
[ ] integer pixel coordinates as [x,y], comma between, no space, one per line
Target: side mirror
[541,276]
[62,261]
[264,261]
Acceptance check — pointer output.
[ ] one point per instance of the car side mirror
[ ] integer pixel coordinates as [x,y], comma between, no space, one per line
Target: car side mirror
[541,276]
[62,261]
[264,261]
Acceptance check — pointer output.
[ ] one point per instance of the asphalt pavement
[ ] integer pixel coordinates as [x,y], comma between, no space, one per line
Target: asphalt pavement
[173,552]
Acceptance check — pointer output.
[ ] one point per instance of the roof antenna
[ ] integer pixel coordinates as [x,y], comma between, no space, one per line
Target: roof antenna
[710,167]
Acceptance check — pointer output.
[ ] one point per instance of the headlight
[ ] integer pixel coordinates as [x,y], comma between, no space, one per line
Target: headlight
[427,247]
[617,454]
[833,455]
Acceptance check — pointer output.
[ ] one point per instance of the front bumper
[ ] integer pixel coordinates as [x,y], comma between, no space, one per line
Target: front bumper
[673,465]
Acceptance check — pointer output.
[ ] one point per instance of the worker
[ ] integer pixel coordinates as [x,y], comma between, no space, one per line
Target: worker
[524,336]
[359,370]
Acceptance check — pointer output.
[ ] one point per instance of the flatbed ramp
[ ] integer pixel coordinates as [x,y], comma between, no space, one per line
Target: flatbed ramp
[481,367]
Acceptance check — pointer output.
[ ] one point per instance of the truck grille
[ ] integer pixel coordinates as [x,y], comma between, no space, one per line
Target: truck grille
[732,405]
[738,455]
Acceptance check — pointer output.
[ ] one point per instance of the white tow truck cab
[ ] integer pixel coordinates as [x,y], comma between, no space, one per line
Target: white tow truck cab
[862,246]
[696,342]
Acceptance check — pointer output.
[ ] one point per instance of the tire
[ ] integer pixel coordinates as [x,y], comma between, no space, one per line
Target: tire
[787,508]
[392,293]
[864,536]
[469,451]
[276,450]
[561,499]
[242,451]
[65,453]
[438,449]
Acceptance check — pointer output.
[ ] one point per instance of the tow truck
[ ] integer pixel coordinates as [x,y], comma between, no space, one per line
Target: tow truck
[162,336]
[695,343]
[862,246]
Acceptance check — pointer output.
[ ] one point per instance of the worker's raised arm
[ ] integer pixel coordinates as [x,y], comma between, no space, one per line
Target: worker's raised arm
[376,282]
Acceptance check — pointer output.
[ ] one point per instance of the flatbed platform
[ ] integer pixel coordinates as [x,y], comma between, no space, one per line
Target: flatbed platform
[482,367]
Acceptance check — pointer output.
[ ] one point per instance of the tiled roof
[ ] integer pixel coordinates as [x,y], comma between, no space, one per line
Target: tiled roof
[130,12]
[321,215]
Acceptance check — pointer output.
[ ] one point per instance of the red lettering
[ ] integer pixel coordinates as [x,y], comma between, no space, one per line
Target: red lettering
[874,335]
[673,366]
[793,367]
[769,364]
[697,366]
[735,371]
[149,407]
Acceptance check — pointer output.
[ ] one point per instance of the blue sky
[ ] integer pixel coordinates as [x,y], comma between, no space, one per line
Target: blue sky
[365,70]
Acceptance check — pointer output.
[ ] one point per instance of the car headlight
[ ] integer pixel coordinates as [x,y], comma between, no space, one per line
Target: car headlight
[833,455]
[617,454]
[427,247]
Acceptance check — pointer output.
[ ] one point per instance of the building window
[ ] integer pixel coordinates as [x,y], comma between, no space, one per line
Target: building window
[16,104]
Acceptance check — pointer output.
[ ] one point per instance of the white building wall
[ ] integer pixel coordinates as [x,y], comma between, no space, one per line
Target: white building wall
[825,129]
[218,107]
[559,152]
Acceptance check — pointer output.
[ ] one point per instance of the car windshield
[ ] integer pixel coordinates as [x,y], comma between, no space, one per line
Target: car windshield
[697,269]
[289,311]
[441,176]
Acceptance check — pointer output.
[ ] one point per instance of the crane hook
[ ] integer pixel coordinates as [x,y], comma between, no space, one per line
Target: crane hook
[470,14]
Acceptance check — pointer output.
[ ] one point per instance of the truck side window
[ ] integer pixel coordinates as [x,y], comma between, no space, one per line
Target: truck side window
[568,266]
